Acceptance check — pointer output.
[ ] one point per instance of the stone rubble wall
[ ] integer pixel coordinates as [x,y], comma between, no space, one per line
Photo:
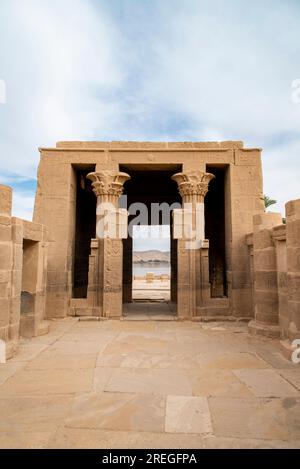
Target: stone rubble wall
[274,260]
[23,260]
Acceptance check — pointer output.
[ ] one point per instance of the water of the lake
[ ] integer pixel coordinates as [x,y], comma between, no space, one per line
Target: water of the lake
[157,268]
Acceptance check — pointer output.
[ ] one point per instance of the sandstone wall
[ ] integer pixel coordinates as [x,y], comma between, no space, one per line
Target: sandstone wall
[55,208]
[275,250]
[22,276]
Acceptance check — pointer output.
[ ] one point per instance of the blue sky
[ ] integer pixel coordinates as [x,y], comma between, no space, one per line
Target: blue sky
[149,70]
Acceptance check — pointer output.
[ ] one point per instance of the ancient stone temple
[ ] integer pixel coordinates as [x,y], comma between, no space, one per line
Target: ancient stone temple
[90,276]
[229,259]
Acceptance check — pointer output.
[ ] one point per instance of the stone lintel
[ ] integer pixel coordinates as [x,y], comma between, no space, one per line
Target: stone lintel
[279,233]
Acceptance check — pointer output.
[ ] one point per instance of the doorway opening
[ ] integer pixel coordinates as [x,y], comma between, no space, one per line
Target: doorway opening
[151,263]
[150,252]
[85,229]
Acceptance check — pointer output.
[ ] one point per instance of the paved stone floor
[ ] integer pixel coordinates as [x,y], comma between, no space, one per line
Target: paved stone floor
[151,384]
[156,290]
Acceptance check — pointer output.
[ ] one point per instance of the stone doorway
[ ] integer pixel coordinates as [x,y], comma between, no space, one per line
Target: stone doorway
[153,187]
[156,195]
[151,263]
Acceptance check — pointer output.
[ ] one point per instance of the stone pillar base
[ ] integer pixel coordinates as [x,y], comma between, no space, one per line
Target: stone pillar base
[287,349]
[43,328]
[11,349]
[29,328]
[266,330]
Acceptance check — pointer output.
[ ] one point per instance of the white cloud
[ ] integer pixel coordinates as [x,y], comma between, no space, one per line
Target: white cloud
[85,69]
[229,71]
[281,170]
[59,61]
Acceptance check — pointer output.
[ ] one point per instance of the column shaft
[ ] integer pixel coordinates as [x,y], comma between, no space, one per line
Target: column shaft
[111,227]
[193,186]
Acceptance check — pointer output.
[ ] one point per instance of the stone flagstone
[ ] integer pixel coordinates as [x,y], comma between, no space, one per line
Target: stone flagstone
[186,414]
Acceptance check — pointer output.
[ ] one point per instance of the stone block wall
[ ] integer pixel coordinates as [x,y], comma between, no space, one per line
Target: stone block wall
[274,251]
[55,207]
[23,258]
[8,319]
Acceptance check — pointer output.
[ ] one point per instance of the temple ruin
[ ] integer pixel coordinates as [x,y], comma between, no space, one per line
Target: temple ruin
[245,267]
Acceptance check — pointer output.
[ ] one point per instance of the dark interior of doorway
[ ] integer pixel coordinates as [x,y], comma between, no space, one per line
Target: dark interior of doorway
[149,186]
[85,229]
[215,231]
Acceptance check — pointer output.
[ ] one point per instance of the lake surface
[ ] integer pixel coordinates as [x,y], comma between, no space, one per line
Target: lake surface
[157,268]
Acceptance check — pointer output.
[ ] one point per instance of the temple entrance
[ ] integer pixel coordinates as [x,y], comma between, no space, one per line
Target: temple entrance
[151,263]
[153,253]
[150,252]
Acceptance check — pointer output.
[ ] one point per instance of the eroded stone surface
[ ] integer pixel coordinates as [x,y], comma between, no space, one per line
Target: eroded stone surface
[118,411]
[250,418]
[48,381]
[266,383]
[186,414]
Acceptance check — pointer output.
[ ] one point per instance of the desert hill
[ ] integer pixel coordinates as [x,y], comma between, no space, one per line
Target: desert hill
[151,256]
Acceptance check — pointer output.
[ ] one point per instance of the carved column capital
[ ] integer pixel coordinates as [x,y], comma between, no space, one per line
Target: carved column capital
[193,185]
[108,184]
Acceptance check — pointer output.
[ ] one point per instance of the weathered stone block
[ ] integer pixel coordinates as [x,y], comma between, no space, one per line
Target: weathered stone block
[265,259]
[5,200]
[293,233]
[17,234]
[248,158]
[4,311]
[4,289]
[5,233]
[266,280]
[293,282]
[240,280]
[32,231]
[266,220]
[293,259]
[57,278]
[292,210]
[6,256]
[15,308]
[263,239]
[266,306]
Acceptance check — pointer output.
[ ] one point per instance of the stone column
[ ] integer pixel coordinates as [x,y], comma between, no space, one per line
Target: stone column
[266,309]
[8,331]
[93,276]
[189,229]
[111,228]
[293,274]
[127,270]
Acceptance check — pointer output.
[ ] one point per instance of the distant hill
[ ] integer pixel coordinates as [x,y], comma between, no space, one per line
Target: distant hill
[140,257]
